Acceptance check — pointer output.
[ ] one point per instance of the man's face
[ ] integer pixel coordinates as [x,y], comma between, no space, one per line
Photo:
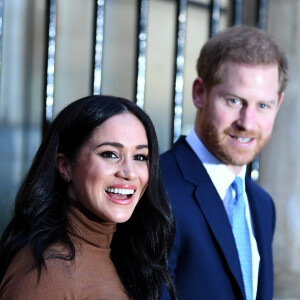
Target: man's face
[238,114]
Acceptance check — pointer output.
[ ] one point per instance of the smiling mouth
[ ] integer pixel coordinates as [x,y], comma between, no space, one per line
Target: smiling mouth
[242,139]
[120,194]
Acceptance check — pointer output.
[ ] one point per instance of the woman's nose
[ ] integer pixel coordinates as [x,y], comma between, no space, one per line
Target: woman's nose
[127,170]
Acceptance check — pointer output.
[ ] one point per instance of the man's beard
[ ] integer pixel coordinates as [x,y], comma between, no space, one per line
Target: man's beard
[218,144]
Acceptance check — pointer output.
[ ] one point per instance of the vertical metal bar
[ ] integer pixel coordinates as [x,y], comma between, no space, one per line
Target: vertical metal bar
[237,12]
[141,52]
[253,167]
[215,10]
[262,14]
[99,37]
[50,64]
[1,29]
[179,67]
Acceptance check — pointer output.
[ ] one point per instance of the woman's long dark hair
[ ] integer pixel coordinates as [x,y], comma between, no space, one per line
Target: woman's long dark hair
[140,246]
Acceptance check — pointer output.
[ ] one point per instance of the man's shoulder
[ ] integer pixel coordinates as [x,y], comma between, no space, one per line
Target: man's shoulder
[255,188]
[181,168]
[180,147]
[258,196]
[179,154]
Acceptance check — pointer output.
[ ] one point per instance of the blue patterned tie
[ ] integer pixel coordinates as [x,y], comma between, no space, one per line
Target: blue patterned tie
[241,235]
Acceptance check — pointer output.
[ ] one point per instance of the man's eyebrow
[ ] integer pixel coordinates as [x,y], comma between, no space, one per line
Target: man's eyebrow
[233,95]
[119,145]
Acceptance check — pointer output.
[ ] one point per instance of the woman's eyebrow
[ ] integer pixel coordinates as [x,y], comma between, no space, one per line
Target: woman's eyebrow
[119,145]
[142,146]
[114,144]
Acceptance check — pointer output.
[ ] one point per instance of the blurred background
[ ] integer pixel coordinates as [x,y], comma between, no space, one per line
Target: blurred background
[55,51]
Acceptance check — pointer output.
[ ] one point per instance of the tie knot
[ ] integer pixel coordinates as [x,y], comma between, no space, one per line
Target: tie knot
[237,184]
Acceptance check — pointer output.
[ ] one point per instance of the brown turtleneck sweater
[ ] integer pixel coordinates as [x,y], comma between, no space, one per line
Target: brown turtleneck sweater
[91,275]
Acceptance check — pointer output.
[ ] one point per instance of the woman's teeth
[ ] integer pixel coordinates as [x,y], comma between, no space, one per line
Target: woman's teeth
[120,191]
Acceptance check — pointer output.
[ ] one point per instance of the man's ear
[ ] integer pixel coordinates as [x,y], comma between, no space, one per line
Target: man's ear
[64,167]
[281,96]
[199,92]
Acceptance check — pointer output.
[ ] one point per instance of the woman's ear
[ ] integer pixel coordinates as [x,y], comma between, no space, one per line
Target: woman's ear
[199,92]
[63,166]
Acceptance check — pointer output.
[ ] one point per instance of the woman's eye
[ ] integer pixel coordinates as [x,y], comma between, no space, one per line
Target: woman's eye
[108,154]
[141,157]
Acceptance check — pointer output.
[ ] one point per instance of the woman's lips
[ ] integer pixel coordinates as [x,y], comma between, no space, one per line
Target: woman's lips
[121,193]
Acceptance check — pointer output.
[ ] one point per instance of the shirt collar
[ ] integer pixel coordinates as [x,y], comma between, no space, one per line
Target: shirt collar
[220,175]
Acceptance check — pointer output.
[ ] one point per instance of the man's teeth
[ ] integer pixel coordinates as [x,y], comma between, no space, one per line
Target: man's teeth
[242,140]
[120,191]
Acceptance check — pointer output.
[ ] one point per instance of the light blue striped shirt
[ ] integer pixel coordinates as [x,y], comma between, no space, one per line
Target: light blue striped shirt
[222,178]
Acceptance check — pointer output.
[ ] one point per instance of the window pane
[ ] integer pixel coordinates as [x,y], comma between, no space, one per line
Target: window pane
[21,94]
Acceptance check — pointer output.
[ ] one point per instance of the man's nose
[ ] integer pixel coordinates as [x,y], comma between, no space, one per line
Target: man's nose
[246,118]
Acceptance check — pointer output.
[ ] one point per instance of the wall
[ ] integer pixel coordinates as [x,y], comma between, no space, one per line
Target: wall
[22,80]
[280,163]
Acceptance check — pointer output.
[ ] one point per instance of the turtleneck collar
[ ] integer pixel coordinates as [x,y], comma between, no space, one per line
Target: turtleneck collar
[84,225]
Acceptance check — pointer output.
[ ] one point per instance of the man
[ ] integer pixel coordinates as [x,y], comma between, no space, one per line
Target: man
[217,254]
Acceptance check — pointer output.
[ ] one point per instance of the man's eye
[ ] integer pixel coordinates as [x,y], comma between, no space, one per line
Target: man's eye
[141,157]
[262,105]
[108,154]
[234,101]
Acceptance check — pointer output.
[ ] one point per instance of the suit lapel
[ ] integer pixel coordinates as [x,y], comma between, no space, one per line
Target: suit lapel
[258,209]
[210,204]
[255,212]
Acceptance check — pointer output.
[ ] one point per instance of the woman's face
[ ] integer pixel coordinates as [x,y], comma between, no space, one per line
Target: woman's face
[111,170]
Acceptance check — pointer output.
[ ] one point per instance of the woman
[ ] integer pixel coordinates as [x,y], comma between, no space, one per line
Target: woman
[91,219]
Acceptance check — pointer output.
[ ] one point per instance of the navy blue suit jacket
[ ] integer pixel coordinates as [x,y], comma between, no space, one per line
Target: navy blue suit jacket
[204,260]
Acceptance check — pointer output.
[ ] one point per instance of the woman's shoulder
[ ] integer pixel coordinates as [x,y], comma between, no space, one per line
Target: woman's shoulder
[21,280]
[90,275]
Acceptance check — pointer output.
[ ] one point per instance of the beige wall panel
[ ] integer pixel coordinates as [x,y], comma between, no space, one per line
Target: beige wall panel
[159,68]
[280,163]
[22,61]
[74,51]
[119,51]
[225,16]
[197,31]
